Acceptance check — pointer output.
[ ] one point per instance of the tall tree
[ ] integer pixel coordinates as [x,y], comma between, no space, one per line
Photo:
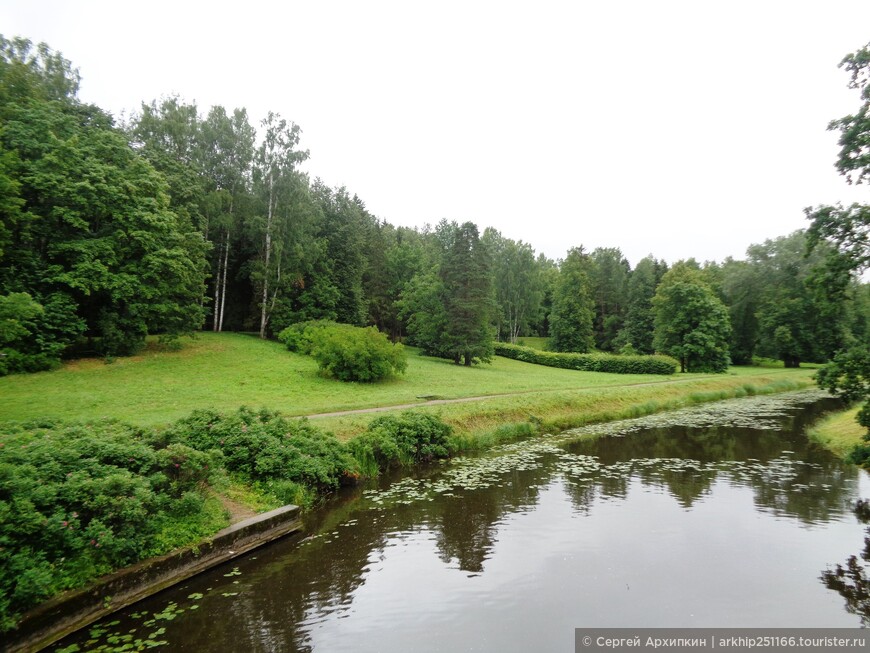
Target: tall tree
[101,234]
[344,227]
[847,230]
[691,323]
[743,289]
[278,182]
[518,284]
[798,320]
[573,306]
[467,278]
[609,276]
[227,150]
[639,327]
[167,135]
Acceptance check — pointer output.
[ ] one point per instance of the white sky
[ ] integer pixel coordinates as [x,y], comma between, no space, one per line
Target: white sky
[679,129]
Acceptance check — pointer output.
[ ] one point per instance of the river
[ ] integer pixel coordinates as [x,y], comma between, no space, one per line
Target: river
[723,515]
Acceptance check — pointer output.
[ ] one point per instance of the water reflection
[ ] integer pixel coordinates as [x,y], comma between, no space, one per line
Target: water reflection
[852,581]
[672,521]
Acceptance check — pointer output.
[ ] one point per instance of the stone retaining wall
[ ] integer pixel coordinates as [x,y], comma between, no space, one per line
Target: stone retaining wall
[72,610]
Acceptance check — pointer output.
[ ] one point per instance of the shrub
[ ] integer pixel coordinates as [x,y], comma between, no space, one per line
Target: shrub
[405,439]
[80,500]
[611,363]
[356,354]
[264,446]
[298,337]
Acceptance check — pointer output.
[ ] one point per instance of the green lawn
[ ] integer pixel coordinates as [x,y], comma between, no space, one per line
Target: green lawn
[534,342]
[228,370]
[839,432]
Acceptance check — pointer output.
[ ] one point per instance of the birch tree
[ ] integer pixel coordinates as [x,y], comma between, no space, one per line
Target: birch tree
[275,179]
[228,151]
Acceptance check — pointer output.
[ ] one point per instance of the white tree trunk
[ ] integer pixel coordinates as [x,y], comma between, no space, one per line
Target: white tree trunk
[263,311]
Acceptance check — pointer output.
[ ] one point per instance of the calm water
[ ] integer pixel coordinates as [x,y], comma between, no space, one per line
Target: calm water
[722,516]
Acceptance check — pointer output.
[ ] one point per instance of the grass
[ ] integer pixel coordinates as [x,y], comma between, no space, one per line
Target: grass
[534,342]
[838,432]
[225,371]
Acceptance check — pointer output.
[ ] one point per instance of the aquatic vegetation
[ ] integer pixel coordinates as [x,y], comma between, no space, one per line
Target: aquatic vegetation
[468,474]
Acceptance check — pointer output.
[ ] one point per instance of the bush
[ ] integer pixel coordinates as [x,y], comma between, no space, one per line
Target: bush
[406,439]
[32,335]
[357,354]
[346,352]
[80,500]
[298,337]
[590,362]
[263,446]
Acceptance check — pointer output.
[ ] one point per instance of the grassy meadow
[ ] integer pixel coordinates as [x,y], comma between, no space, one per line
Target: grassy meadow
[225,371]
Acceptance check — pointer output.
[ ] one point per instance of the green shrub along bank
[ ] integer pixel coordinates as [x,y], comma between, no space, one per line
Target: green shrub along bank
[612,363]
[401,440]
[80,500]
[289,459]
[77,501]
[346,352]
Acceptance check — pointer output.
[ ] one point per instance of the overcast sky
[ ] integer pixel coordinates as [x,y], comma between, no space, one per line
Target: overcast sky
[674,128]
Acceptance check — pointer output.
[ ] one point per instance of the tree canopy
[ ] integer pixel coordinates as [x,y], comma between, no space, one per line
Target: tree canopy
[184,218]
[691,323]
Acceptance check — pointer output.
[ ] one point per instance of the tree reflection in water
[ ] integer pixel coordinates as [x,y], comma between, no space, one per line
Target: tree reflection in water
[852,581]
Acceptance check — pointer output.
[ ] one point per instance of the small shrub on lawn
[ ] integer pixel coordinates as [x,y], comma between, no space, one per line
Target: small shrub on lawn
[351,353]
[346,352]
[298,337]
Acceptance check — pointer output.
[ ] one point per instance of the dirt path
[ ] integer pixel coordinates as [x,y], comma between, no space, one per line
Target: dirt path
[237,511]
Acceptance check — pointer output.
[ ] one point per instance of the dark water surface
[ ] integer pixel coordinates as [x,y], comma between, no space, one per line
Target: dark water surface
[719,516]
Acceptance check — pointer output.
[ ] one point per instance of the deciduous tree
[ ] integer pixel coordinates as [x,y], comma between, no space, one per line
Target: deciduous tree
[691,323]
[573,306]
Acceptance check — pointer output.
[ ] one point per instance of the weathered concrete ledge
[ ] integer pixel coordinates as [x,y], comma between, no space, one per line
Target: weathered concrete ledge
[76,609]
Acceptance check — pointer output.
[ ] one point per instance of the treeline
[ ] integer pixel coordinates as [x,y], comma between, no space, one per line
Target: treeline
[183,219]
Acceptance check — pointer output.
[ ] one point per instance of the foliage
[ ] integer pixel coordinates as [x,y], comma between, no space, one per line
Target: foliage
[615,364]
[800,316]
[573,311]
[639,323]
[422,307]
[93,222]
[848,376]
[846,232]
[609,276]
[351,353]
[467,278]
[854,158]
[691,323]
[79,500]
[299,337]
[33,336]
[518,284]
[401,440]
[263,446]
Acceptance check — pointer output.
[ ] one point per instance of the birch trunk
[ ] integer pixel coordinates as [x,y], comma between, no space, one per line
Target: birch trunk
[263,311]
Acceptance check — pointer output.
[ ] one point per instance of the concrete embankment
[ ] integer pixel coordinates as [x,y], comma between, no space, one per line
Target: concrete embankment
[68,612]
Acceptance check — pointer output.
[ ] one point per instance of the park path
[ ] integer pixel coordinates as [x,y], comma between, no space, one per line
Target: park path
[460,400]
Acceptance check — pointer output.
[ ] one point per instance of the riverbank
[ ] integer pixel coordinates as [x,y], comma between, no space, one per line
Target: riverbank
[488,421]
[483,406]
[838,432]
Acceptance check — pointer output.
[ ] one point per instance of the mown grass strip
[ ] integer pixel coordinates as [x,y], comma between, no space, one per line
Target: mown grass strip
[494,420]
